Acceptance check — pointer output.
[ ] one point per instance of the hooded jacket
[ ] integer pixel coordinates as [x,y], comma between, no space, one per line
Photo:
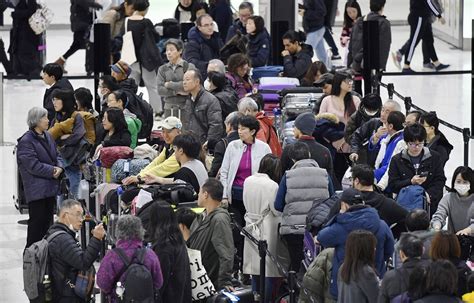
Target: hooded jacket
[259,48]
[212,235]
[317,279]
[328,130]
[36,158]
[296,65]
[228,100]
[441,145]
[199,50]
[386,147]
[130,85]
[313,18]
[134,125]
[338,229]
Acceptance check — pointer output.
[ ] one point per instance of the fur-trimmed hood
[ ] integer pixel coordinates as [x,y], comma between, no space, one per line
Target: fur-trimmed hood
[328,116]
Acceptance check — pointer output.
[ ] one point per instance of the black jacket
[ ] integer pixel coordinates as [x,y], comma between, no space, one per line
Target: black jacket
[219,151]
[236,26]
[67,258]
[356,120]
[222,14]
[441,145]
[63,83]
[295,66]
[313,18]
[388,210]
[122,138]
[259,48]
[81,14]
[401,171]
[362,135]
[228,100]
[199,50]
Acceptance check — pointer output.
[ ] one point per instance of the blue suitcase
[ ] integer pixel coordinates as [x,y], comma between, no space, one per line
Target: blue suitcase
[266,71]
[244,294]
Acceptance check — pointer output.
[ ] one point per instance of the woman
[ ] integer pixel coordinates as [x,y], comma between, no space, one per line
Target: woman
[116,129]
[69,131]
[238,67]
[297,55]
[258,47]
[90,116]
[440,283]
[457,205]
[313,74]
[435,140]
[357,280]
[220,88]
[140,26]
[262,221]
[39,171]
[445,245]
[129,233]
[170,78]
[119,99]
[186,11]
[169,246]
[352,12]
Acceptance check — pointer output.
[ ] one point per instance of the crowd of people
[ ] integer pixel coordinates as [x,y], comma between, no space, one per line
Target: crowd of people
[362,180]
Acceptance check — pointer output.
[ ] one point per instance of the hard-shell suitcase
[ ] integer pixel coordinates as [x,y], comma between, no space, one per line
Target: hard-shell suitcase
[266,71]
[270,87]
[244,295]
[295,104]
[19,198]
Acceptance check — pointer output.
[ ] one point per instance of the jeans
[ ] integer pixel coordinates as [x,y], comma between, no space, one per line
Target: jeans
[151,83]
[73,173]
[316,40]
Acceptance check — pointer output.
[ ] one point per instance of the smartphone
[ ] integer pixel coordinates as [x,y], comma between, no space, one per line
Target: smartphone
[424,174]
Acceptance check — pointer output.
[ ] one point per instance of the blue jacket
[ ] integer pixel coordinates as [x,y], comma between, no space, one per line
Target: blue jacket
[258,48]
[36,157]
[199,50]
[338,229]
[236,26]
[392,143]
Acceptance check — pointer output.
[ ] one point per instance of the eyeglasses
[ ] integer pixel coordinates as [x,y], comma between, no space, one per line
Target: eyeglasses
[415,145]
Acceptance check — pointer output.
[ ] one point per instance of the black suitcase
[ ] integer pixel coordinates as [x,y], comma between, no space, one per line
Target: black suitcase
[19,198]
[245,295]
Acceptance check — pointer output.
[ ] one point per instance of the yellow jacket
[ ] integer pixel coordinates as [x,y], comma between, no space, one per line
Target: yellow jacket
[468,298]
[161,166]
[65,127]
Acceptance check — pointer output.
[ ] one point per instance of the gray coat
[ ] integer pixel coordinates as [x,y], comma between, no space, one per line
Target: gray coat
[363,289]
[301,191]
[204,117]
[174,74]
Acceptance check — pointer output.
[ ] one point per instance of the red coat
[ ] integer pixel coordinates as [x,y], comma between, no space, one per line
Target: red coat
[268,134]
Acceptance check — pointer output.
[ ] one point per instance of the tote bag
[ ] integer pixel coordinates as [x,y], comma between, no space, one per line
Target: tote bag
[128,47]
[201,288]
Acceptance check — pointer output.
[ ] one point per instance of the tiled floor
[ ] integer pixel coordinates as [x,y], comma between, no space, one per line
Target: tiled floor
[450,96]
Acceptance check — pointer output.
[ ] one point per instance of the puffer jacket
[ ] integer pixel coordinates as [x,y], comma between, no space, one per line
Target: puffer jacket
[338,229]
[356,120]
[441,145]
[67,258]
[199,50]
[267,133]
[174,75]
[295,66]
[66,127]
[259,48]
[204,117]
[134,125]
[317,279]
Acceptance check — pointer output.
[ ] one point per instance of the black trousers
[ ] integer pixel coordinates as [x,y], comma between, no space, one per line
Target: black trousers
[420,29]
[294,244]
[330,41]
[78,43]
[41,218]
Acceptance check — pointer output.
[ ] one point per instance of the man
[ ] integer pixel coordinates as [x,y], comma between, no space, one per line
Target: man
[53,77]
[412,117]
[107,84]
[371,130]
[203,110]
[204,44]
[418,224]
[66,256]
[389,211]
[211,233]
[245,11]
[215,65]
[231,128]
[313,23]
[165,164]
[417,165]
[354,214]
[303,130]
[121,72]
[395,282]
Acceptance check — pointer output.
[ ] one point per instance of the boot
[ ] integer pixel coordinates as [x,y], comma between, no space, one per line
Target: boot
[62,62]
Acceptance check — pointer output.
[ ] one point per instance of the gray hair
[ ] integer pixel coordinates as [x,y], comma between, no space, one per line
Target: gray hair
[68,204]
[216,66]
[176,42]
[247,103]
[232,119]
[394,104]
[34,116]
[129,227]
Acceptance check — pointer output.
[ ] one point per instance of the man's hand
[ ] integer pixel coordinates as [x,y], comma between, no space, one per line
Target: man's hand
[99,231]
[354,157]
[301,12]
[382,130]
[417,180]
[225,203]
[130,180]
[285,53]
[150,179]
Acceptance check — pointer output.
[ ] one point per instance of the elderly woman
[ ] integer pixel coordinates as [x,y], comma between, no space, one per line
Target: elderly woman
[266,133]
[39,170]
[129,244]
[170,78]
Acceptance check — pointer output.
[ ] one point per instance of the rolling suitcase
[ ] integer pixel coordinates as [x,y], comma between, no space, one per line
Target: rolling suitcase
[241,294]
[270,87]
[19,198]
[266,71]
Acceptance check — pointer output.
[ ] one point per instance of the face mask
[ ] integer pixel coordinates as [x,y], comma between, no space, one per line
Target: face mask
[207,85]
[462,189]
[369,113]
[99,92]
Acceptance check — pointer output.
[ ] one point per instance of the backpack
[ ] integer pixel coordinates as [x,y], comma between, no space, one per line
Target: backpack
[36,266]
[145,114]
[149,52]
[322,210]
[136,278]
[413,196]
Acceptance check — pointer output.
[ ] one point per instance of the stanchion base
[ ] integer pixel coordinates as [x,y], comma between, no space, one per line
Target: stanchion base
[7,144]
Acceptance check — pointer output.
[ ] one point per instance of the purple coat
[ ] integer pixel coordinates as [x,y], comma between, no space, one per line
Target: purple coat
[112,265]
[36,158]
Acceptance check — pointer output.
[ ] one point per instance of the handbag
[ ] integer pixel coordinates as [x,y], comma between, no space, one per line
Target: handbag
[41,19]
[201,287]
[84,285]
[128,47]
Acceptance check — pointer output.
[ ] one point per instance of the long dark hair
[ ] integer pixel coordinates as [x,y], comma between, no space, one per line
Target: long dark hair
[163,228]
[349,106]
[69,103]
[116,117]
[348,22]
[359,252]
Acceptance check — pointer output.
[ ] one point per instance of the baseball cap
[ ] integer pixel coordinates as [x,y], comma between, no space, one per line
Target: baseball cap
[352,196]
[121,68]
[325,79]
[171,122]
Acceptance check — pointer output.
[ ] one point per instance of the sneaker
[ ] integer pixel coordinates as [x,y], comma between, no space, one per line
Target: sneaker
[441,66]
[397,59]
[429,65]
[336,57]
[408,71]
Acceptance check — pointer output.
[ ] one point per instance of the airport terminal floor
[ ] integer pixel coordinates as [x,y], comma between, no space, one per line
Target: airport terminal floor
[448,95]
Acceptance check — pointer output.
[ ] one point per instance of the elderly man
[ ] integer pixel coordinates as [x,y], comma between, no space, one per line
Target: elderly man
[203,110]
[204,44]
[239,25]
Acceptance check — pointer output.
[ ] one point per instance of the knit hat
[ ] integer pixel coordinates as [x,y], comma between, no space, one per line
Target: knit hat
[121,68]
[306,122]
[352,196]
